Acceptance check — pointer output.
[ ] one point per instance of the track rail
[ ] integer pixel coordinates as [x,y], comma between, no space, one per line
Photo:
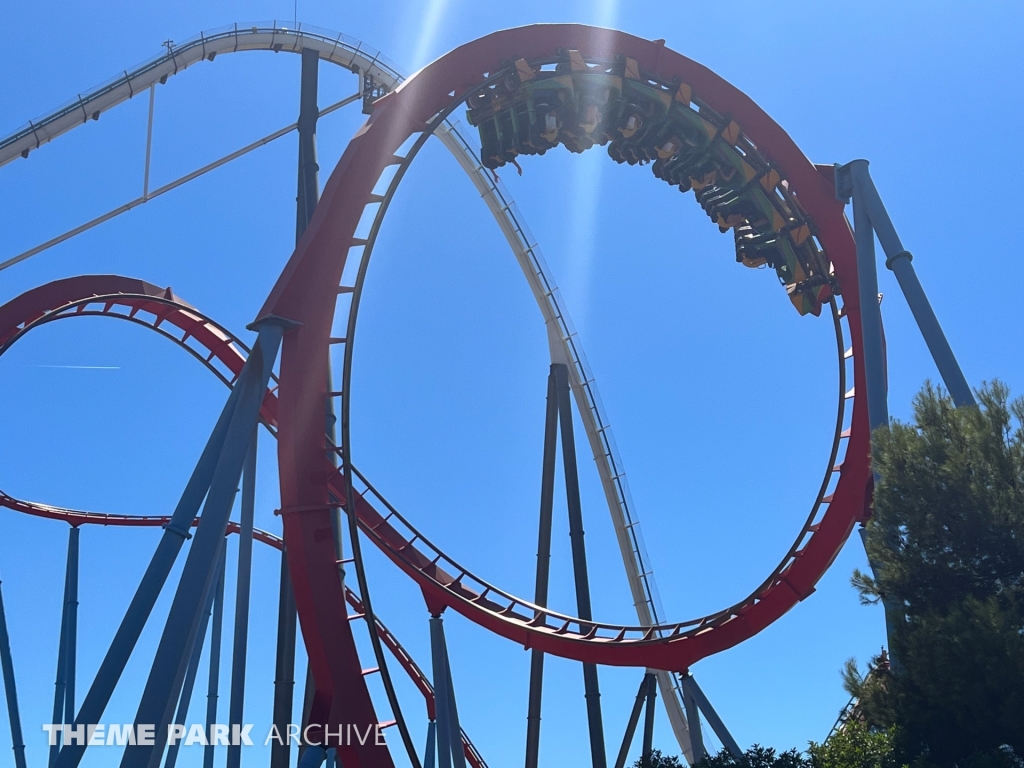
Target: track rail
[220,352]
[340,50]
[306,293]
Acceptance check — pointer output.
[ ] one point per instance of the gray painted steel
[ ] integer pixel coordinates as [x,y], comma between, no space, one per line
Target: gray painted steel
[60,686]
[284,677]
[579,561]
[213,685]
[458,753]
[693,718]
[167,672]
[898,259]
[175,533]
[547,495]
[634,718]
[712,716]
[430,755]
[236,705]
[870,312]
[440,675]
[652,694]
[190,675]
[71,641]
[10,688]
[565,345]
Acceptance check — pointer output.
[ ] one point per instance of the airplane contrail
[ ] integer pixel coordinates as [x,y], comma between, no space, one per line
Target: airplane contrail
[82,367]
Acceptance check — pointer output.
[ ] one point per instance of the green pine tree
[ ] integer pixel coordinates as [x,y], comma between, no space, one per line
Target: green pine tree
[947,538]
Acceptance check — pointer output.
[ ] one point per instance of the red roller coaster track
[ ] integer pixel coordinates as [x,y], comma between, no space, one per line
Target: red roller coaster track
[306,293]
[160,310]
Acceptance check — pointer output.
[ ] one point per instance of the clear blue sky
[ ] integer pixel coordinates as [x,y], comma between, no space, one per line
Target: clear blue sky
[721,397]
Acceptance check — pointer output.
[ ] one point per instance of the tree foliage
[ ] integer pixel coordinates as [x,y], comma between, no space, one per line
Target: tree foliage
[856,746]
[756,757]
[947,545]
[658,760]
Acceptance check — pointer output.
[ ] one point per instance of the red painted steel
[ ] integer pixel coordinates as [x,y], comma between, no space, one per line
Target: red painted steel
[306,293]
[72,297]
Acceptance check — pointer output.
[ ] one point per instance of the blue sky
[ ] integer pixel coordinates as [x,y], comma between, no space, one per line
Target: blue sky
[721,397]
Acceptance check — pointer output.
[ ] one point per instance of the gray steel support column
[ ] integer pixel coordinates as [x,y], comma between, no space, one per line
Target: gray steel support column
[634,718]
[191,673]
[167,671]
[236,706]
[127,635]
[702,702]
[547,496]
[579,559]
[652,695]
[898,260]
[71,640]
[440,675]
[430,756]
[11,689]
[309,181]
[313,756]
[213,685]
[62,647]
[870,313]
[693,718]
[309,691]
[458,753]
[284,677]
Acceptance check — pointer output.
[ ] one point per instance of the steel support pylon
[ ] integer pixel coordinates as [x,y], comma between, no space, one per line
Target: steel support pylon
[169,665]
[11,689]
[558,418]
[870,219]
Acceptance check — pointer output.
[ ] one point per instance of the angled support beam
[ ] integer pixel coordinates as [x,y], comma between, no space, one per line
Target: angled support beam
[458,753]
[190,675]
[127,635]
[547,494]
[693,719]
[634,718]
[167,672]
[652,695]
[213,685]
[702,702]
[853,180]
[579,559]
[241,638]
[11,689]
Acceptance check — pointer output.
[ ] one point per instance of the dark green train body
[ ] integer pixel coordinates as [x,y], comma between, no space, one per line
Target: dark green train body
[687,145]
